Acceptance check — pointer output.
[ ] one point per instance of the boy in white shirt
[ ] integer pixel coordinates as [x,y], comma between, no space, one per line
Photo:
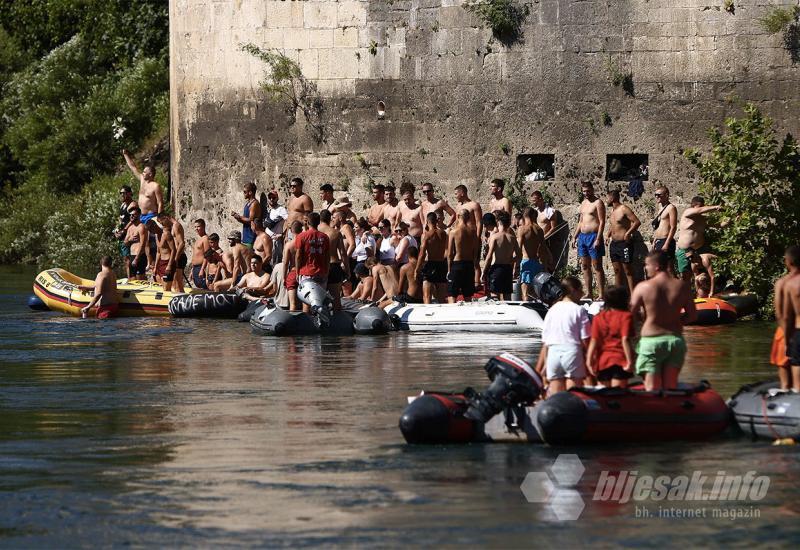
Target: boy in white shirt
[565,335]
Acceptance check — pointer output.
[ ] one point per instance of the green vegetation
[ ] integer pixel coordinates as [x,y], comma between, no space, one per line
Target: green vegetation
[80,80]
[517,193]
[618,77]
[756,179]
[285,82]
[779,19]
[504,17]
[373,47]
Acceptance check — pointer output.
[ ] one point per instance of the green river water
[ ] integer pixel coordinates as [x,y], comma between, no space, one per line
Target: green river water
[167,432]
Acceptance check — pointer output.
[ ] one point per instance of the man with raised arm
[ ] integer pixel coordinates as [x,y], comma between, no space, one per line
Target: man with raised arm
[665,304]
[692,236]
[151,199]
[589,239]
[622,224]
[105,291]
[498,201]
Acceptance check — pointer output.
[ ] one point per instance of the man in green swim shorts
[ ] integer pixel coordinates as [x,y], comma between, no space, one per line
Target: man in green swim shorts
[665,304]
[692,238]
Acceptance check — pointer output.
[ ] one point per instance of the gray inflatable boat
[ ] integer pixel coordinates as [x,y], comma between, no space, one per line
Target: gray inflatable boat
[764,410]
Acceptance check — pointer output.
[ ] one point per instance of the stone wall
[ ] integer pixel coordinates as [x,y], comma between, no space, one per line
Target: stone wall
[460,106]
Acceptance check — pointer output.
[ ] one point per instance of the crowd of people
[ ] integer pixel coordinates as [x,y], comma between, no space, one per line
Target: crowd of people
[421,251]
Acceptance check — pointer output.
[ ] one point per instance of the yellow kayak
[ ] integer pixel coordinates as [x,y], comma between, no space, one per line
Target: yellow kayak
[58,289]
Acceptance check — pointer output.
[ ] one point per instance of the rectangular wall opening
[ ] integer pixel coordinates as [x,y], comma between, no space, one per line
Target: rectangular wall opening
[627,167]
[536,167]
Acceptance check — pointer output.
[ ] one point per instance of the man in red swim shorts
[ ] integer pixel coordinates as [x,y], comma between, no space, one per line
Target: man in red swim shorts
[105,291]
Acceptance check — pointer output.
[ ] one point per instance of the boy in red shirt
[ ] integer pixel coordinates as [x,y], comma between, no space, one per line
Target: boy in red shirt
[610,353]
[312,255]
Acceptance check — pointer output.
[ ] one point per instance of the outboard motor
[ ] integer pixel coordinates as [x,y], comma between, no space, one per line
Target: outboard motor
[319,299]
[514,383]
[547,288]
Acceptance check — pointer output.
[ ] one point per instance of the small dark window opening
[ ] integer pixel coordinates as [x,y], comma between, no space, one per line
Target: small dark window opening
[536,167]
[627,167]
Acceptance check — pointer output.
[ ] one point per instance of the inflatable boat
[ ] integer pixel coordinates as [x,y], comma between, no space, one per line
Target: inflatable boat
[487,316]
[580,415]
[714,311]
[58,289]
[764,410]
[270,320]
[745,304]
[207,304]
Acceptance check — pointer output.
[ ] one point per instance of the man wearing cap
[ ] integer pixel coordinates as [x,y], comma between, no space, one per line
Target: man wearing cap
[344,206]
[127,202]
[326,196]
[274,219]
[235,262]
[299,205]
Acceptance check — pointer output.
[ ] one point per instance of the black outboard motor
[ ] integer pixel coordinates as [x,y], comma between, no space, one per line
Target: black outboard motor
[547,288]
[514,383]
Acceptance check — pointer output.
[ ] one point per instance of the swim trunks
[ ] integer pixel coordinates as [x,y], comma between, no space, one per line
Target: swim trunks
[620,252]
[147,217]
[794,349]
[335,274]
[435,271]
[107,311]
[291,280]
[565,361]
[777,355]
[658,244]
[682,258]
[528,270]
[406,299]
[182,261]
[586,246]
[197,280]
[124,250]
[161,268]
[614,372]
[462,279]
[656,352]
[138,267]
[501,279]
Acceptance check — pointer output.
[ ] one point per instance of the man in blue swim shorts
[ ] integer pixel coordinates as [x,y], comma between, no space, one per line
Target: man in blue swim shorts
[589,239]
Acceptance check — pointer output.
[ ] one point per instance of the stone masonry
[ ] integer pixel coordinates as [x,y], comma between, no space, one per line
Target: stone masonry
[460,105]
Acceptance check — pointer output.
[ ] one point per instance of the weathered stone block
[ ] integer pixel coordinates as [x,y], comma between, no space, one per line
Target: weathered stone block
[318,15]
[297,39]
[345,37]
[320,38]
[352,14]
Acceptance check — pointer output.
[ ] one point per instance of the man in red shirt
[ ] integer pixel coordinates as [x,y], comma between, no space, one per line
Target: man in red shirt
[312,255]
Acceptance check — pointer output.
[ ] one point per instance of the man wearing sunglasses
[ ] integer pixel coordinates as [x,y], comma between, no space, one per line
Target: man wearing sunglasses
[300,205]
[136,240]
[127,203]
[431,203]
[664,226]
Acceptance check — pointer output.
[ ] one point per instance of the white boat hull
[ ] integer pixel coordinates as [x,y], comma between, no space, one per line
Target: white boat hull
[502,317]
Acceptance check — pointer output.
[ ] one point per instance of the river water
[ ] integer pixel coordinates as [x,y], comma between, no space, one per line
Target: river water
[197,432]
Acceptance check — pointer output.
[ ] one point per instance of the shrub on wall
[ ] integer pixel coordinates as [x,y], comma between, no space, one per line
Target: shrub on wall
[504,17]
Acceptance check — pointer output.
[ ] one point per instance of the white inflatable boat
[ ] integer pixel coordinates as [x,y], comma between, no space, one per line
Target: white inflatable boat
[487,316]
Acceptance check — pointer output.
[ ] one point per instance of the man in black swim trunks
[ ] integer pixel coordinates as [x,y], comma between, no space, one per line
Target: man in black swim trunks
[502,259]
[463,251]
[136,240]
[432,264]
[664,226]
[127,202]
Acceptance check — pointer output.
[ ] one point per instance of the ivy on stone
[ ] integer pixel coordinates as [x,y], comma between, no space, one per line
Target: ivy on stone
[504,17]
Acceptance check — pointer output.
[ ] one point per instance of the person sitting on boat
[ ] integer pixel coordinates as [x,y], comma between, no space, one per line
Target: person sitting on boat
[388,243]
[365,285]
[565,335]
[665,304]
[105,291]
[410,291]
[385,284]
[789,377]
[610,355]
[255,281]
[236,261]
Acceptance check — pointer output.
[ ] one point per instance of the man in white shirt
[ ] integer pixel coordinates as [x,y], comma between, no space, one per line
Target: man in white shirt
[274,218]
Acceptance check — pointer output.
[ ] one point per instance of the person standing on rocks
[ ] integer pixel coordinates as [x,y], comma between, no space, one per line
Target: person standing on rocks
[589,239]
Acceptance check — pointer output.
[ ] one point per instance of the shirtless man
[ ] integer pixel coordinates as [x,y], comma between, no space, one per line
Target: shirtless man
[787,312]
[263,243]
[433,265]
[665,304]
[175,228]
[664,225]
[363,290]
[151,200]
[436,205]
[299,205]
[385,285]
[199,249]
[126,198]
[589,239]
[463,255]
[136,240]
[498,201]
[255,281]
[692,236]
[235,262]
[502,259]
[375,213]
[622,224]
[392,206]
[166,254]
[339,270]
[410,291]
[411,213]
[535,254]
[105,292]
[463,202]
[289,274]
[326,196]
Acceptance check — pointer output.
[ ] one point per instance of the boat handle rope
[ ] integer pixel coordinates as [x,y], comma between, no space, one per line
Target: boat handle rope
[766,417]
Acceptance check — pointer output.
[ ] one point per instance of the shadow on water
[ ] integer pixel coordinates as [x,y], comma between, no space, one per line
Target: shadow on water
[187,432]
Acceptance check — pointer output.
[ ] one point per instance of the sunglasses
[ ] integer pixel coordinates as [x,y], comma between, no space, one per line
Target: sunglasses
[427,190]
[658,195]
